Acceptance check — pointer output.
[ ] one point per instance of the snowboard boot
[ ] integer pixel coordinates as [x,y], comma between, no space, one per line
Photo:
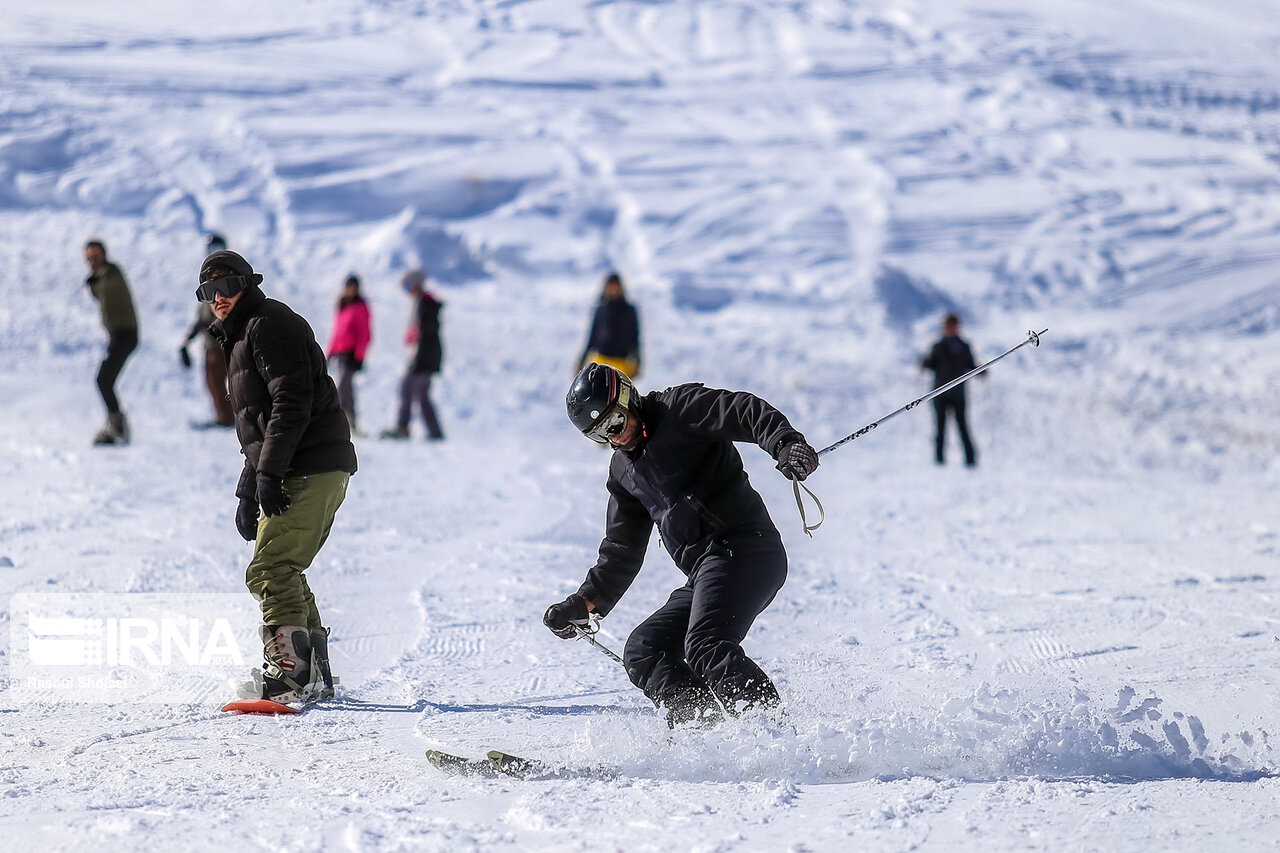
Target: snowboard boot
[322,676]
[287,672]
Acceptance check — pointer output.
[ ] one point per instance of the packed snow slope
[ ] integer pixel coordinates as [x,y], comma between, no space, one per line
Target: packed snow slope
[1073,646]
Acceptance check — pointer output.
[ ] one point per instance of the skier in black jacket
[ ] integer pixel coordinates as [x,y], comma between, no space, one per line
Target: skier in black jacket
[949,359]
[298,459]
[675,465]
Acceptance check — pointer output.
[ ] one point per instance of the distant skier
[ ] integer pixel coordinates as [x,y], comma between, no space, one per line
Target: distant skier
[675,465]
[107,285]
[215,363]
[298,460]
[950,358]
[348,343]
[614,338]
[423,335]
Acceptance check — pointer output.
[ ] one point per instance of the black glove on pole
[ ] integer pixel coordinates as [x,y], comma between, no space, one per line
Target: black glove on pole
[184,356]
[271,495]
[563,617]
[247,519]
[797,460]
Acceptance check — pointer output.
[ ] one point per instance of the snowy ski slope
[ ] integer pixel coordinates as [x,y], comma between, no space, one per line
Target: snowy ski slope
[1073,646]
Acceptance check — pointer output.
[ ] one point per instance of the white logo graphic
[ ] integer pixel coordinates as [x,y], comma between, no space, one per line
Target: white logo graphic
[130,642]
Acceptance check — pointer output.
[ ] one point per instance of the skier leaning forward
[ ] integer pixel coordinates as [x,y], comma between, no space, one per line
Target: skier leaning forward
[674,465]
[298,459]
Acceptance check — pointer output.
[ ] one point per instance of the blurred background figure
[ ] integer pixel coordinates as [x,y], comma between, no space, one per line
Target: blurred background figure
[107,285]
[215,363]
[949,359]
[348,343]
[614,338]
[423,335]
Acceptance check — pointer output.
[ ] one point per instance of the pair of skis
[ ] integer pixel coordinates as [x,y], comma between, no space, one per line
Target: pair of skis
[498,764]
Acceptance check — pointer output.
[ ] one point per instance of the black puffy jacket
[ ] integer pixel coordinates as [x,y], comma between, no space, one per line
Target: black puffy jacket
[286,405]
[687,478]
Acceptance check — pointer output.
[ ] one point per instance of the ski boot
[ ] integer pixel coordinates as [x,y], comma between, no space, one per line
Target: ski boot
[692,705]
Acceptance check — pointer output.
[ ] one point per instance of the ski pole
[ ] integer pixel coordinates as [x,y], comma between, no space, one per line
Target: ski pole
[1033,338]
[590,637]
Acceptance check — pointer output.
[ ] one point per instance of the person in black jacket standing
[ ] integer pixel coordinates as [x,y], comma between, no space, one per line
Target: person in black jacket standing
[614,338]
[949,359]
[298,459]
[675,465]
[428,354]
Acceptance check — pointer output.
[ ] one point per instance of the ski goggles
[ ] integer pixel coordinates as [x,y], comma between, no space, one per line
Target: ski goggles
[226,287]
[611,425]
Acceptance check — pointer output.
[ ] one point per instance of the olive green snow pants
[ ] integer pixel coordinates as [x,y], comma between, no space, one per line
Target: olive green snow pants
[288,543]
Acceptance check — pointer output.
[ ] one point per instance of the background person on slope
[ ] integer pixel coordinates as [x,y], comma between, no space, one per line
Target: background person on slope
[348,343]
[614,337]
[215,363]
[423,335]
[107,285]
[675,465]
[951,358]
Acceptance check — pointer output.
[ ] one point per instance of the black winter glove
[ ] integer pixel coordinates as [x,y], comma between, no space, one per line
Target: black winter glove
[797,460]
[271,495]
[184,356]
[359,364]
[247,519]
[561,618]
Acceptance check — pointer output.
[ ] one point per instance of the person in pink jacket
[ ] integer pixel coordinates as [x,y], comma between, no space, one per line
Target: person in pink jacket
[352,331]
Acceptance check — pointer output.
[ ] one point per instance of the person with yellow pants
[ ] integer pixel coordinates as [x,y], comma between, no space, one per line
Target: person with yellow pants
[614,338]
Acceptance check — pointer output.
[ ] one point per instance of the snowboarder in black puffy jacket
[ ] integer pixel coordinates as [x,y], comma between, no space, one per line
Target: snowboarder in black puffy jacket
[950,359]
[298,458]
[675,465]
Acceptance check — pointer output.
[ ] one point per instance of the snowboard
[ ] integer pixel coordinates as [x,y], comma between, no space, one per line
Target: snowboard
[258,706]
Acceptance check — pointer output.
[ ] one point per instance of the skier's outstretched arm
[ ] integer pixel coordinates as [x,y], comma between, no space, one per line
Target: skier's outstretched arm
[622,551]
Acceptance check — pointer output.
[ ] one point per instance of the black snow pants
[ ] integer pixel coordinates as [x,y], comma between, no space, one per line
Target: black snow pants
[691,647]
[120,346]
[956,404]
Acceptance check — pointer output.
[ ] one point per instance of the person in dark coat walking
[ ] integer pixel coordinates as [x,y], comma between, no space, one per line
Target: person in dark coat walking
[614,338]
[107,285]
[215,363]
[298,458]
[949,359]
[675,465]
[428,355]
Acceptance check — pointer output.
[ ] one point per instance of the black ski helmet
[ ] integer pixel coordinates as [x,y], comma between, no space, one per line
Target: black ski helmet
[214,242]
[596,390]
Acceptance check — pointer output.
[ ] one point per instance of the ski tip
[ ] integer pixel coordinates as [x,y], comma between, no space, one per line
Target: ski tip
[258,706]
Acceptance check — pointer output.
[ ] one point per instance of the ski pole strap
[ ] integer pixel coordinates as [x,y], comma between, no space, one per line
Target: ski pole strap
[804,522]
[589,636]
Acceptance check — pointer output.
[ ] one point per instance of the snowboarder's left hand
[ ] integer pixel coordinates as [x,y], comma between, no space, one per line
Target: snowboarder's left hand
[271,494]
[562,618]
[247,519]
[797,460]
